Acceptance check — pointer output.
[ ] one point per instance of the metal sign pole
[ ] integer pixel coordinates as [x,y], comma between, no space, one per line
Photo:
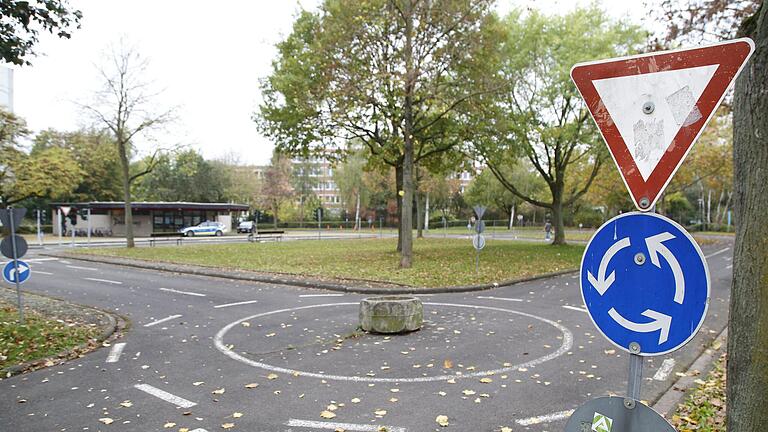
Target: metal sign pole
[16,266]
[89,226]
[39,231]
[635,378]
[61,225]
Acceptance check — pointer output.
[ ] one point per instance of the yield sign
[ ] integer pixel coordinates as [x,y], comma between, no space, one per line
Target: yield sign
[651,108]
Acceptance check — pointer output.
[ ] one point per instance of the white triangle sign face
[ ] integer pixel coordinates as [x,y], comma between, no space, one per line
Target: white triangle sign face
[65,210]
[651,108]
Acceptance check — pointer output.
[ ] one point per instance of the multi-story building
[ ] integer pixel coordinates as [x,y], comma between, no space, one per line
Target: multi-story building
[319,178]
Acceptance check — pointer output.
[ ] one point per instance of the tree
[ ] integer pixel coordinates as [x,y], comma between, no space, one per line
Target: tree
[747,320]
[304,183]
[123,106]
[487,190]
[349,176]
[43,173]
[22,21]
[182,176]
[276,187]
[540,115]
[94,152]
[390,73]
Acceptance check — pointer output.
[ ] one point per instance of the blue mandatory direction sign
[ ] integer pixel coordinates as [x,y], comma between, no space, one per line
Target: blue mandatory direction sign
[645,283]
[10,275]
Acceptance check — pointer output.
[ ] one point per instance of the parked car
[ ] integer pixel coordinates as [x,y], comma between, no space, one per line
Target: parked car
[245,227]
[205,228]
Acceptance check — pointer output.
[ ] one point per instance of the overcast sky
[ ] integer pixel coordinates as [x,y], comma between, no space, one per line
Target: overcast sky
[208,60]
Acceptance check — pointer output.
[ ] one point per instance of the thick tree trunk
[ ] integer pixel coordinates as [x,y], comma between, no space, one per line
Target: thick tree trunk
[557,215]
[406,218]
[419,216]
[748,318]
[125,168]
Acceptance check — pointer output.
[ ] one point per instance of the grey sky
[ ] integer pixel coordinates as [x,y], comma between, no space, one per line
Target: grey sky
[207,59]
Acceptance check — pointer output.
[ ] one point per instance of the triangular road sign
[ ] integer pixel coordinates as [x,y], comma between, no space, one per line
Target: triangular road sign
[651,108]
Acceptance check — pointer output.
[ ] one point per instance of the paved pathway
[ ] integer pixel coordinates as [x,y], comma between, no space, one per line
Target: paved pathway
[198,345]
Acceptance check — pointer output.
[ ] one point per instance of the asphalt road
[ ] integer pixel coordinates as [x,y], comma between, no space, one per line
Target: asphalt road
[196,343]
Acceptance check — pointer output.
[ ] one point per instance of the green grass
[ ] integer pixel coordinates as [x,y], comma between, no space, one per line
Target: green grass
[39,337]
[704,409]
[437,262]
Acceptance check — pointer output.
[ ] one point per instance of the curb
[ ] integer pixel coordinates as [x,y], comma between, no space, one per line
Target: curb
[667,403]
[116,323]
[301,282]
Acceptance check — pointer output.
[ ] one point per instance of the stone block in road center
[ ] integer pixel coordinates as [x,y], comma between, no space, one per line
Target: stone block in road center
[391,314]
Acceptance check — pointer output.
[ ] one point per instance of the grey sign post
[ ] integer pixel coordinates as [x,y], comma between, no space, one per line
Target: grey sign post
[12,218]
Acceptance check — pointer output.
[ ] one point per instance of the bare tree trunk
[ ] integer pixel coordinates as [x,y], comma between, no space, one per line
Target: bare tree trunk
[419,216]
[406,218]
[357,211]
[748,317]
[426,213]
[709,207]
[399,200]
[125,168]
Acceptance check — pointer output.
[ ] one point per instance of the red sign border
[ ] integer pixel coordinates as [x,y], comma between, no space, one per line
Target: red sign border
[731,56]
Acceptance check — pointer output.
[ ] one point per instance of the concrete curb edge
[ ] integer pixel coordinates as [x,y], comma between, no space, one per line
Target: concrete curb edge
[667,403]
[299,282]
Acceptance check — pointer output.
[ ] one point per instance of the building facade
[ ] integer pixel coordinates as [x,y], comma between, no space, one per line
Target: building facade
[148,217]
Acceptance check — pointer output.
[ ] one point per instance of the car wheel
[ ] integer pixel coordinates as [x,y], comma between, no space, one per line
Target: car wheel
[219,233]
[190,233]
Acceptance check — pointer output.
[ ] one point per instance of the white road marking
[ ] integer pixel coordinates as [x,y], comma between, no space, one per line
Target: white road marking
[33,260]
[82,268]
[729,266]
[114,353]
[547,418]
[161,320]
[43,273]
[198,430]
[567,343]
[576,308]
[236,304]
[717,253]
[321,295]
[500,298]
[164,395]
[104,280]
[342,426]
[182,292]
[664,370]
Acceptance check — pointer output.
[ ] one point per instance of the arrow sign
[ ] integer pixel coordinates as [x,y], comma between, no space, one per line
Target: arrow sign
[10,275]
[645,280]
[651,108]
[656,248]
[602,283]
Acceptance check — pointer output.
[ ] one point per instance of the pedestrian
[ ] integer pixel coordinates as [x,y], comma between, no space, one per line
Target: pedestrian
[547,230]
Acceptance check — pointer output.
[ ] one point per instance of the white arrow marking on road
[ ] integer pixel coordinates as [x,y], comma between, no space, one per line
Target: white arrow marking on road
[656,247]
[22,269]
[660,322]
[602,283]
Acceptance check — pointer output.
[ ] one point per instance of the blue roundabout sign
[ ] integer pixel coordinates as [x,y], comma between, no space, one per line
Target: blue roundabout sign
[645,283]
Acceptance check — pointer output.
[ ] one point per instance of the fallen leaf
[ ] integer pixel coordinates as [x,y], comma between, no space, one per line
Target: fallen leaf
[447,364]
[227,425]
[506,429]
[442,420]
[237,415]
[106,420]
[468,392]
[272,376]
[380,412]
[198,383]
[486,380]
[169,425]
[251,385]
[355,400]
[327,415]
[126,404]
[219,391]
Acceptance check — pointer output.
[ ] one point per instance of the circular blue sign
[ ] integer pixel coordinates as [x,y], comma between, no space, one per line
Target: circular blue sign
[645,283]
[10,275]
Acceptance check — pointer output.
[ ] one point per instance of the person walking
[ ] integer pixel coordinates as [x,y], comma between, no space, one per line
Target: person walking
[547,230]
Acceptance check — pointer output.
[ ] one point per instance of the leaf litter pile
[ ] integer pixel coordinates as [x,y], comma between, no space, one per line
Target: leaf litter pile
[704,409]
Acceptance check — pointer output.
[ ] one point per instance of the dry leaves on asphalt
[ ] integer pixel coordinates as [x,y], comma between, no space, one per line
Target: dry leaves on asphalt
[327,414]
[442,420]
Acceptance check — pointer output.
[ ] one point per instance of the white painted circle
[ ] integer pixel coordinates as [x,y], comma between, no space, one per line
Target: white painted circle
[564,347]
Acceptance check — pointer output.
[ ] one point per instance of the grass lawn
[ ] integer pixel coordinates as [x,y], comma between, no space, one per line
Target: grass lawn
[437,262]
[39,337]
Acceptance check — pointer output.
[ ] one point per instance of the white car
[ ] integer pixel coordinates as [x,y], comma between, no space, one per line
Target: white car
[245,227]
[205,228]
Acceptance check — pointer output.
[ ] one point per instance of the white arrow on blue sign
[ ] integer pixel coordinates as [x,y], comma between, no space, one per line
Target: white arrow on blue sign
[10,275]
[645,280]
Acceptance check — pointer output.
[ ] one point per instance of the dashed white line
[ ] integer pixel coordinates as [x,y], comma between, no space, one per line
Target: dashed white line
[164,395]
[235,304]
[717,253]
[548,418]
[82,268]
[576,308]
[664,370]
[182,292]
[114,353]
[342,426]
[43,272]
[161,320]
[198,430]
[105,281]
[500,298]
[321,295]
